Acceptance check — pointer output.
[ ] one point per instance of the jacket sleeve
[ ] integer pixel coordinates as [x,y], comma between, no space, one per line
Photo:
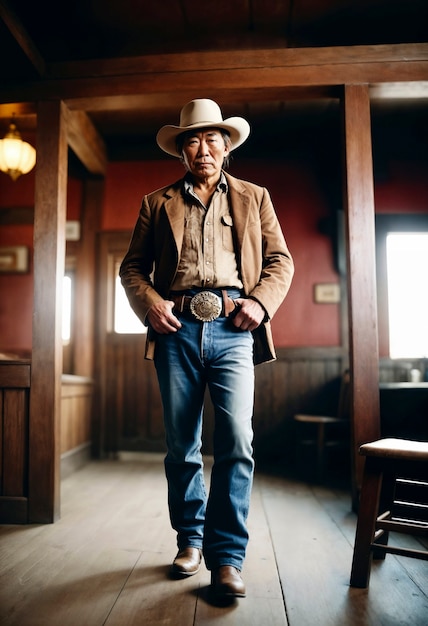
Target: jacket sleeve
[137,266]
[277,267]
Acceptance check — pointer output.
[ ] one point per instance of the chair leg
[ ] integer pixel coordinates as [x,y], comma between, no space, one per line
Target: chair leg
[367,515]
[386,500]
[320,452]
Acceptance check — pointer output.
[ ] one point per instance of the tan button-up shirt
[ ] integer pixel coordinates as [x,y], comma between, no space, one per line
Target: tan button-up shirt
[207,257]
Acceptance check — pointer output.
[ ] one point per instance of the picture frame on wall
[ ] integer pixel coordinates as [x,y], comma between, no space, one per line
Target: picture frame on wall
[14,259]
[327,293]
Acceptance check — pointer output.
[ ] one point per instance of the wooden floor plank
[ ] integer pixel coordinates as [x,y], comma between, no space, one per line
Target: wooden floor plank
[106,561]
[314,553]
[149,597]
[336,504]
[264,604]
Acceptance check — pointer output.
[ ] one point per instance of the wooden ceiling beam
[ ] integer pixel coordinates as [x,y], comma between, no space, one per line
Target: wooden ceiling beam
[149,102]
[85,141]
[250,58]
[325,67]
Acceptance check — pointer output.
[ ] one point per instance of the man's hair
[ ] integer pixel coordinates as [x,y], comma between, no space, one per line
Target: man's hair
[181,138]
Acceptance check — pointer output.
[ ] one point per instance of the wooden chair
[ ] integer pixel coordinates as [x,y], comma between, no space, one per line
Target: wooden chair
[394,497]
[326,425]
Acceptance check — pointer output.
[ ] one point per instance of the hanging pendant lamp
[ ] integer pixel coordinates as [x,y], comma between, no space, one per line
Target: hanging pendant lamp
[16,156]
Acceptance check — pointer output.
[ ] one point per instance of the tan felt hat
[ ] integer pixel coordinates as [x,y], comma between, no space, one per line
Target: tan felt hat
[202,113]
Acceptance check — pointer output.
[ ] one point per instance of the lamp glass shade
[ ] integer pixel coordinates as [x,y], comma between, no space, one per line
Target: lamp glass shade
[16,156]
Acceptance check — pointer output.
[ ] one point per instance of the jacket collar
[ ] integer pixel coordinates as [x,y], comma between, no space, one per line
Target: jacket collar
[239,204]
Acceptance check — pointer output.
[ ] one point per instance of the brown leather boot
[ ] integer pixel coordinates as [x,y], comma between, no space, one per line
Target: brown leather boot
[226,582]
[187,562]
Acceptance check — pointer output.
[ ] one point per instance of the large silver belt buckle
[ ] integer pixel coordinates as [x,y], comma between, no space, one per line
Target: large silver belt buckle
[205,306]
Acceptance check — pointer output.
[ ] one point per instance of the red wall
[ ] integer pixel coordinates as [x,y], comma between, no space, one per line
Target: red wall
[300,203]
[404,189]
[16,290]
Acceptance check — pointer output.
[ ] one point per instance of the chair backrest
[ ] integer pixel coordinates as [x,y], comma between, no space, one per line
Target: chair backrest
[344,405]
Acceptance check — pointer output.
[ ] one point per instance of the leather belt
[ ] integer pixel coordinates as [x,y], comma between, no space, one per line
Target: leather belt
[205,306]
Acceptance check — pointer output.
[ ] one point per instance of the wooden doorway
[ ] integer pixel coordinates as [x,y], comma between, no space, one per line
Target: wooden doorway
[130,409]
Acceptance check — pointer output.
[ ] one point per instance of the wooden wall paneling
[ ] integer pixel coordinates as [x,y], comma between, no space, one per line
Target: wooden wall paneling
[14,375]
[273,396]
[128,413]
[1,440]
[76,422]
[361,260]
[137,421]
[76,412]
[110,389]
[46,371]
[295,382]
[104,398]
[117,417]
[138,399]
[14,436]
[15,433]
[150,403]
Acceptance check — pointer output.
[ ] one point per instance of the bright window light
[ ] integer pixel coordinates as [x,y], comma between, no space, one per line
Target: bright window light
[125,320]
[407,263]
[66,309]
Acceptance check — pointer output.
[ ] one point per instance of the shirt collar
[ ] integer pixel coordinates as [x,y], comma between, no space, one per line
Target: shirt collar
[221,185]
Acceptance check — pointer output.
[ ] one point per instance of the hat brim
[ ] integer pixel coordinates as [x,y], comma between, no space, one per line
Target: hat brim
[237,127]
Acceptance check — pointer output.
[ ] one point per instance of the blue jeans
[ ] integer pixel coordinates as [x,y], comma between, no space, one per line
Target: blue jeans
[217,356]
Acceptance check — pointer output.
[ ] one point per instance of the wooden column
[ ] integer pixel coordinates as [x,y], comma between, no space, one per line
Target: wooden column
[85,293]
[361,260]
[46,366]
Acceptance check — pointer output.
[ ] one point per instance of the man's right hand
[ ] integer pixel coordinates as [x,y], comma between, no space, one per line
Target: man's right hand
[162,319]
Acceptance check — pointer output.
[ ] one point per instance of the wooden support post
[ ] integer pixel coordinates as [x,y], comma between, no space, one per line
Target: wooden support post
[361,260]
[85,277]
[46,365]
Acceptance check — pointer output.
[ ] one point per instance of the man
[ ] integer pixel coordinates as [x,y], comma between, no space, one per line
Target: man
[206,269]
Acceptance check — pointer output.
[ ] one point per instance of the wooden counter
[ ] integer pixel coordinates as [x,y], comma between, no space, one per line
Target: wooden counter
[404,410]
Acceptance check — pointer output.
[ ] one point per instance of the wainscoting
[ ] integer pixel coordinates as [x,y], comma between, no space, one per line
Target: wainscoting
[301,379]
[76,421]
[14,423]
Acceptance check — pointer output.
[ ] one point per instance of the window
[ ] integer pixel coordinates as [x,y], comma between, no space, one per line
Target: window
[125,320]
[407,263]
[401,262]
[66,308]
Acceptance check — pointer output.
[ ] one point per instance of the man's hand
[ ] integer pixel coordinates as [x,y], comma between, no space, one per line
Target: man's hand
[250,314]
[162,319]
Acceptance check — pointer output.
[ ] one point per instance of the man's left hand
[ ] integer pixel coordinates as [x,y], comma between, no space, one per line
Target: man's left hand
[250,314]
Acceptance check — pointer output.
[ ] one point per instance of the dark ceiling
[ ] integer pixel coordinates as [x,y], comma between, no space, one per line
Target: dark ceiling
[95,29]
[36,38]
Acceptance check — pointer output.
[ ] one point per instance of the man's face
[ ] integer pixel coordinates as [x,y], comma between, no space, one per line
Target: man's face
[204,152]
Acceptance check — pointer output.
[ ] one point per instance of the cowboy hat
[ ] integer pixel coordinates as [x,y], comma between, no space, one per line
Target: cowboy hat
[202,113]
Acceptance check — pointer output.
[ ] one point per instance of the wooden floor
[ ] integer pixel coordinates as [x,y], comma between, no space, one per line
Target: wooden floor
[106,560]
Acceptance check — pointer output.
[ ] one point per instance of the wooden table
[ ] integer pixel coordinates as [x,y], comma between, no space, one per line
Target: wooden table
[404,410]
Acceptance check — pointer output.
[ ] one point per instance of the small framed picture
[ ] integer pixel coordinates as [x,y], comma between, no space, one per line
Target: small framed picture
[14,259]
[327,293]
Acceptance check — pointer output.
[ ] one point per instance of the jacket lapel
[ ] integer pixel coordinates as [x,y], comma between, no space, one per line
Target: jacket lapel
[175,208]
[239,206]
